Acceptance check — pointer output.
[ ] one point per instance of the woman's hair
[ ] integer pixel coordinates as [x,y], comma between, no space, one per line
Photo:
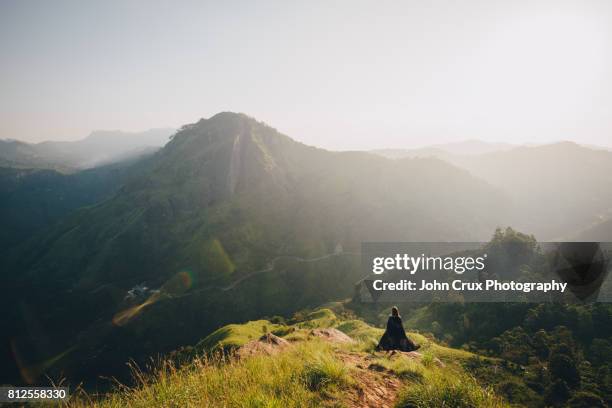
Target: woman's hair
[394,311]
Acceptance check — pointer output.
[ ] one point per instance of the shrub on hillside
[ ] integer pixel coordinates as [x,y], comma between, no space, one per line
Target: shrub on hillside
[324,371]
[440,390]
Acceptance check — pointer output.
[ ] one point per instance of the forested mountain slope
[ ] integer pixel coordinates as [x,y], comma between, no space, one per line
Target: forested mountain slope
[220,202]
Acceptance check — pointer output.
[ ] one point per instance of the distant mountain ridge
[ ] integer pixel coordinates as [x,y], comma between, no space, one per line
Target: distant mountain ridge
[556,190]
[100,147]
[443,151]
[600,232]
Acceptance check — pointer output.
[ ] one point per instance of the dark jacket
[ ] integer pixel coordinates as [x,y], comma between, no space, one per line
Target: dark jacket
[395,337]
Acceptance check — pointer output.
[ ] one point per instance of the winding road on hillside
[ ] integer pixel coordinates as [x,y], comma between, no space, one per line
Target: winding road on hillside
[272,264]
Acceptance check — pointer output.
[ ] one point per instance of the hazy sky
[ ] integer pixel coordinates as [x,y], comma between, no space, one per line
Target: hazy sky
[341,75]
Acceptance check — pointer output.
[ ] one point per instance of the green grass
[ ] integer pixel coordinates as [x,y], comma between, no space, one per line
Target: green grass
[427,385]
[360,330]
[446,354]
[307,374]
[236,335]
[404,367]
[322,370]
[301,377]
[447,388]
[318,319]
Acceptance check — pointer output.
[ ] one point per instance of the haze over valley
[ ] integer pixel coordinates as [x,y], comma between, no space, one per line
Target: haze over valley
[228,194]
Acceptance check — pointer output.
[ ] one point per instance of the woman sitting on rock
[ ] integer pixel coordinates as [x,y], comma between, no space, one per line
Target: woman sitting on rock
[395,337]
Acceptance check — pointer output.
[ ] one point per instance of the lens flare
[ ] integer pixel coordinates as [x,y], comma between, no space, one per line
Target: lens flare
[186,279]
[125,316]
[176,285]
[31,372]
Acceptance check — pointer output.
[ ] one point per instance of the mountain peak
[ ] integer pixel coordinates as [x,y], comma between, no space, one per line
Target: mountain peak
[229,115]
[226,126]
[228,152]
[226,119]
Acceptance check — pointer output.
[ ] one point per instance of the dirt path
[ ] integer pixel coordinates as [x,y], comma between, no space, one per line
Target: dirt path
[376,387]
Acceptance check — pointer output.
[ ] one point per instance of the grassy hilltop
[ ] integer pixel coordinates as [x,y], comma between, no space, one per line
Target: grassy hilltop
[309,370]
